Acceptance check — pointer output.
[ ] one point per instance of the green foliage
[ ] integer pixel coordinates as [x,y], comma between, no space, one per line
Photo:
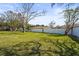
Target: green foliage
[28,27]
[13,23]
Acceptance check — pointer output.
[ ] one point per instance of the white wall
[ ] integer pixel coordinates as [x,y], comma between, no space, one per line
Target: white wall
[76,31]
[58,31]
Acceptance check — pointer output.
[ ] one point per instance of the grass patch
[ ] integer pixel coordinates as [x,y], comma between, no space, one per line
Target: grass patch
[30,43]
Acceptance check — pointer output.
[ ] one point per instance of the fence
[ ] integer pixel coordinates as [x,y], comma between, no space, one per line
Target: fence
[58,31]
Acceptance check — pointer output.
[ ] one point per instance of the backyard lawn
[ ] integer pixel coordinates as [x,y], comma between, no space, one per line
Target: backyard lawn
[30,43]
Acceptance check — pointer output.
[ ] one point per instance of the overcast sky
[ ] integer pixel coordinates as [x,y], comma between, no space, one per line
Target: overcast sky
[51,14]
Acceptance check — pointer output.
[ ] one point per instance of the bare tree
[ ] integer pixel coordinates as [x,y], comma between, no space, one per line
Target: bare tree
[71,16]
[51,24]
[2,19]
[11,19]
[28,13]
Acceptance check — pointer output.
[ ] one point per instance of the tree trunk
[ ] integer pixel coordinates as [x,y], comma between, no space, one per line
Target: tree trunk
[11,29]
[72,31]
[23,29]
[66,33]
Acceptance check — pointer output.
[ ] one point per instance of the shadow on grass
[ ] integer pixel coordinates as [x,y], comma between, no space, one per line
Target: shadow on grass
[56,35]
[22,49]
[51,34]
[33,48]
[11,33]
[76,39]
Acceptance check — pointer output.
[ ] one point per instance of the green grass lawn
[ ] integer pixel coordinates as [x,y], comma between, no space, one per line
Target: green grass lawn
[30,43]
